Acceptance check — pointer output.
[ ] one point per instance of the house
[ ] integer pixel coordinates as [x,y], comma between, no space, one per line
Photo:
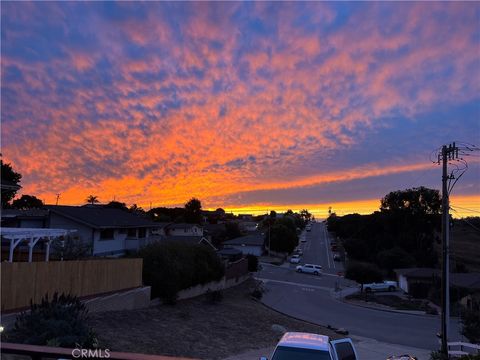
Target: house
[189,240]
[249,244]
[411,277]
[108,231]
[31,218]
[415,277]
[183,229]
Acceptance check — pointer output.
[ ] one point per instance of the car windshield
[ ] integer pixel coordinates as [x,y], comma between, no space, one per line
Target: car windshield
[291,353]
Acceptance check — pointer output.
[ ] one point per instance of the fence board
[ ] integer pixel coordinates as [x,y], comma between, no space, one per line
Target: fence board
[23,281]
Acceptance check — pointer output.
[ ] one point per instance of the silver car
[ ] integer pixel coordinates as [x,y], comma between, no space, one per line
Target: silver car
[309,269]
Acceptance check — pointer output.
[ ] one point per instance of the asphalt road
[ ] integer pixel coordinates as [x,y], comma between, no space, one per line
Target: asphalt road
[312,298]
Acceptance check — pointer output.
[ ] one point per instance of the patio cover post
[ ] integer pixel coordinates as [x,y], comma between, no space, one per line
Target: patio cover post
[13,244]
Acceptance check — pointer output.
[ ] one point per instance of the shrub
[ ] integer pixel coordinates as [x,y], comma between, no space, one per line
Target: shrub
[171,267]
[471,325]
[252,263]
[61,321]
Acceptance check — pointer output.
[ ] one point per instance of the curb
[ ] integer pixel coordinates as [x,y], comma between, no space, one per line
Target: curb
[405,312]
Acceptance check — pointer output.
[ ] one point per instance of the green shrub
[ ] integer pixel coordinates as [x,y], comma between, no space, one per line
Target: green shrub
[171,267]
[61,321]
[252,263]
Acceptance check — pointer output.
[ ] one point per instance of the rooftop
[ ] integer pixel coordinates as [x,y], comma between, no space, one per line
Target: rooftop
[251,240]
[99,217]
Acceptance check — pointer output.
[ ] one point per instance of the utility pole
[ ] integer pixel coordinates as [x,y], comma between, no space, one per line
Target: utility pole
[448,153]
[58,196]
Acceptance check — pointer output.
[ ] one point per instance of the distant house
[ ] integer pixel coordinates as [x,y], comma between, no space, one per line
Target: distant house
[189,240]
[109,231]
[408,278]
[31,218]
[249,244]
[183,229]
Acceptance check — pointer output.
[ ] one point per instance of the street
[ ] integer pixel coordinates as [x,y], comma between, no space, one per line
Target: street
[313,298]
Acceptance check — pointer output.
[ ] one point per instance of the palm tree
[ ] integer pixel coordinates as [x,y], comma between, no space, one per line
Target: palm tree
[91,199]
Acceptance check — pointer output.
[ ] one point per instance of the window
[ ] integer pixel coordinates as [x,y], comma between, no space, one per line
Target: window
[122,231]
[142,233]
[288,353]
[345,351]
[132,233]
[106,234]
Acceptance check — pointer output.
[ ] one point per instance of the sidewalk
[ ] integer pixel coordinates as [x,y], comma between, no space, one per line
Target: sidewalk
[367,349]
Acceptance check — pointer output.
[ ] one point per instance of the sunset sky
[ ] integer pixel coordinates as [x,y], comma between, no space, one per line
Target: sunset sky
[248,106]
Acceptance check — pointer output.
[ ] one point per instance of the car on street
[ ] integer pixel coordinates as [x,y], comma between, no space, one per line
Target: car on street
[306,346]
[298,251]
[334,247]
[303,239]
[295,259]
[308,227]
[309,269]
[337,257]
[381,286]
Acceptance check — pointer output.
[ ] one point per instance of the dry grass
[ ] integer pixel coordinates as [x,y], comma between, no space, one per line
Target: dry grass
[196,328]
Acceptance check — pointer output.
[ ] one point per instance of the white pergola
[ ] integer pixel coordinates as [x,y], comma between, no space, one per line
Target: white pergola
[32,236]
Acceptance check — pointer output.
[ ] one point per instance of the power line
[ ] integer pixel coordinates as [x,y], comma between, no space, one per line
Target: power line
[462,208]
[468,222]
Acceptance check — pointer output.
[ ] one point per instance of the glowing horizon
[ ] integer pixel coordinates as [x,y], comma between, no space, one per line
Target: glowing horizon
[242,105]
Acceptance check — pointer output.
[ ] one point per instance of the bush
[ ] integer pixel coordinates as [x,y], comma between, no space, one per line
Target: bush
[61,321]
[171,267]
[471,325]
[252,263]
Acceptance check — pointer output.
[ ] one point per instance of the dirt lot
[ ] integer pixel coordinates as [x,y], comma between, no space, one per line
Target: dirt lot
[196,328]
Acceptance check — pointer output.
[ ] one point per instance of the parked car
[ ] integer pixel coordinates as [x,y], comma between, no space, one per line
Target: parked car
[382,286]
[337,257]
[306,346]
[303,239]
[334,247]
[295,259]
[298,252]
[402,357]
[309,269]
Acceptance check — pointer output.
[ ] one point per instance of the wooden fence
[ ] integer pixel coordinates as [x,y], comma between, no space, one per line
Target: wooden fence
[23,281]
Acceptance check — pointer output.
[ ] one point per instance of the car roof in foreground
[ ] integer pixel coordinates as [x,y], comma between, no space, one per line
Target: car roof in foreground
[304,340]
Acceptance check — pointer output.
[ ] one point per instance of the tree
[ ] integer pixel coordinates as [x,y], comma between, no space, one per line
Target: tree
[232,230]
[116,205]
[136,209]
[27,202]
[91,199]
[193,211]
[417,201]
[471,325]
[10,183]
[281,238]
[363,273]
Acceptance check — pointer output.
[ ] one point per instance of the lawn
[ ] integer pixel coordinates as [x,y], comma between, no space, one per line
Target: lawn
[197,328]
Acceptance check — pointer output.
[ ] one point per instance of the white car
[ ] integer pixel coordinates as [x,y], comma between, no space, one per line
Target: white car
[297,345]
[383,286]
[295,259]
[309,269]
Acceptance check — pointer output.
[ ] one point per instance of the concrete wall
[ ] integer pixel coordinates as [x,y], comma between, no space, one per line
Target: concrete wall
[403,283]
[212,286]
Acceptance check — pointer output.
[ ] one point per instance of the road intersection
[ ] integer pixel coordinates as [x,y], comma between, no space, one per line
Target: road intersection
[316,299]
